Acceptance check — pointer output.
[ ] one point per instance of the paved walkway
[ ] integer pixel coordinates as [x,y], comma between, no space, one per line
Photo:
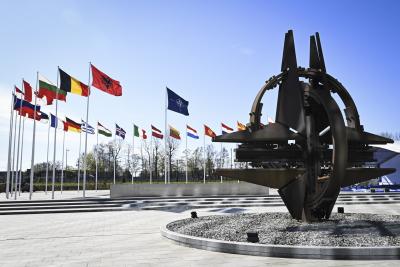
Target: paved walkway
[131,238]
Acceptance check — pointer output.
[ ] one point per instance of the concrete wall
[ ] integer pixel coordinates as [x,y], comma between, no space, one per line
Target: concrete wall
[196,190]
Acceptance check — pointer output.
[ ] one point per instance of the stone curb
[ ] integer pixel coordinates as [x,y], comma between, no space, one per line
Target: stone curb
[282,251]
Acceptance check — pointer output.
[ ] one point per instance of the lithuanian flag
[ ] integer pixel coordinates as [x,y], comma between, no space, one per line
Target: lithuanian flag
[71,126]
[72,85]
[174,133]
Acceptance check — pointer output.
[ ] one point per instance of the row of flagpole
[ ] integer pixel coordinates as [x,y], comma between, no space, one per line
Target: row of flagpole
[180,107]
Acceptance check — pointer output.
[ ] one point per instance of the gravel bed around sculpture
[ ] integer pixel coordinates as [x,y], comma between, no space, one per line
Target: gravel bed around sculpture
[341,230]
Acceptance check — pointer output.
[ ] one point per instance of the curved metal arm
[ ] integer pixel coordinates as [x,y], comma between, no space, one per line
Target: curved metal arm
[352,117]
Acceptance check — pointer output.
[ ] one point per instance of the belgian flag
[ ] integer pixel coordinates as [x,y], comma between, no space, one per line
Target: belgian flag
[72,85]
[71,126]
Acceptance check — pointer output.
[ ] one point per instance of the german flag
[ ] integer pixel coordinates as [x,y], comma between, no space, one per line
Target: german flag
[72,85]
[71,126]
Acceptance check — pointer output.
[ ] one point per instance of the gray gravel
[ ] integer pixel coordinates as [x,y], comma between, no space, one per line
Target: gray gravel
[342,230]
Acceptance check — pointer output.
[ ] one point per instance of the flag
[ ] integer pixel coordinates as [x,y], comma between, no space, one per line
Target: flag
[44,117]
[139,132]
[72,126]
[156,132]
[18,92]
[119,131]
[191,132]
[105,83]
[241,126]
[27,91]
[208,131]
[226,129]
[144,136]
[103,130]
[25,108]
[72,85]
[86,128]
[49,90]
[54,121]
[136,131]
[174,133]
[177,103]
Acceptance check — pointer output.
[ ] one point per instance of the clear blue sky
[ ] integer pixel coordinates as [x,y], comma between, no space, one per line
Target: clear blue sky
[216,54]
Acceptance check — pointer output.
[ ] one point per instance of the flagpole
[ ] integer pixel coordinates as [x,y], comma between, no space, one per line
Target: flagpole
[151,159]
[33,142]
[13,153]
[141,154]
[220,158]
[231,158]
[96,156]
[62,163]
[186,157]
[55,140]
[165,140]
[47,164]
[87,120]
[19,138]
[54,151]
[204,156]
[13,98]
[115,142]
[133,148]
[22,150]
[79,158]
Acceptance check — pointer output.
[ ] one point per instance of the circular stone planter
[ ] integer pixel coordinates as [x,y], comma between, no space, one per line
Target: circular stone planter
[355,224]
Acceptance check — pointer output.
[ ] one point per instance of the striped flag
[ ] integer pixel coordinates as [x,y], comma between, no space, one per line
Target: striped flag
[119,131]
[50,91]
[226,129]
[86,128]
[174,133]
[103,130]
[144,135]
[71,126]
[138,132]
[191,132]
[71,85]
[156,132]
[55,122]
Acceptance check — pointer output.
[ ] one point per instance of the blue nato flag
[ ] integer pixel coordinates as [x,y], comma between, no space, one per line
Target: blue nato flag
[177,103]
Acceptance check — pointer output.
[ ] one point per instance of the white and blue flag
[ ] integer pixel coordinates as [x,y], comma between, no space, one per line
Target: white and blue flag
[86,128]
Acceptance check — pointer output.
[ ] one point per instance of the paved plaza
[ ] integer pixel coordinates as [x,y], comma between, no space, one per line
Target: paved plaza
[132,238]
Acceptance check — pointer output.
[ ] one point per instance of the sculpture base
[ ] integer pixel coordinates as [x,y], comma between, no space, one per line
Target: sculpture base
[344,236]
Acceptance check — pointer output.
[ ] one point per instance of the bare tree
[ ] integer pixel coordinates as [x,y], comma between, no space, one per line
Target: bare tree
[210,159]
[114,149]
[172,147]
[133,161]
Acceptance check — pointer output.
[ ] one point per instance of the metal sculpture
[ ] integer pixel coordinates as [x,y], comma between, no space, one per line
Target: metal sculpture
[309,153]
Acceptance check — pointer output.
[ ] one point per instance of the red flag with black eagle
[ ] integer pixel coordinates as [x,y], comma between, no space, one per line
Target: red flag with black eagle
[105,83]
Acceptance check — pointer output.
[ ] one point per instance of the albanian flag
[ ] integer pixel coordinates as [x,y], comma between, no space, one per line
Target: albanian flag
[105,83]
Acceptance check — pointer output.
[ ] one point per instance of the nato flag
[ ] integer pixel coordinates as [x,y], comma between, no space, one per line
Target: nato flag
[177,103]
